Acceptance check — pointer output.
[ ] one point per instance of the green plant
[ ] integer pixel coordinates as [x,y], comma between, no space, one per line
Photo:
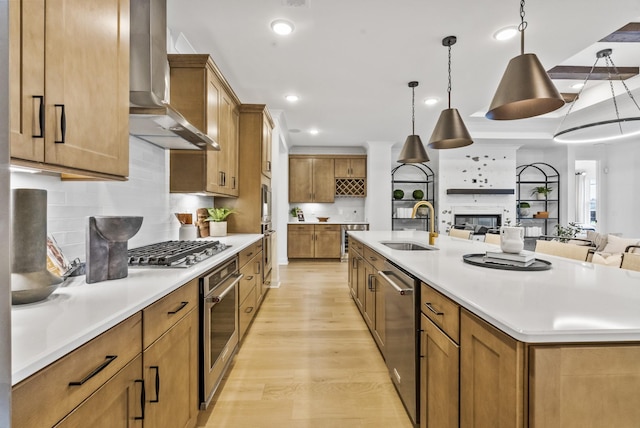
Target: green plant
[219,214]
[524,205]
[294,211]
[565,233]
[398,194]
[418,194]
[545,190]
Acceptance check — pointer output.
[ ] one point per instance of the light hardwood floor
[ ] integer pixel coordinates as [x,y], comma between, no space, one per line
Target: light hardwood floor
[308,360]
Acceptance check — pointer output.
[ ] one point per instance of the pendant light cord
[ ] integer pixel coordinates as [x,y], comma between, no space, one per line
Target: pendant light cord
[449,71]
[521,27]
[413,110]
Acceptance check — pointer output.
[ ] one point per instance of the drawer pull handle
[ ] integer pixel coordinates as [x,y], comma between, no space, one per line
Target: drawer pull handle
[432,309]
[248,310]
[108,360]
[178,309]
[249,278]
[40,116]
[157,399]
[250,254]
[143,400]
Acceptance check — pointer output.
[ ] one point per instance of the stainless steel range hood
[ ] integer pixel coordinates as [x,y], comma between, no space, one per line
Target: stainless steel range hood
[151,117]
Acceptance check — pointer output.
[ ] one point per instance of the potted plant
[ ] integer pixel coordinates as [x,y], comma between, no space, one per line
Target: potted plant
[218,221]
[541,192]
[566,233]
[294,212]
[523,209]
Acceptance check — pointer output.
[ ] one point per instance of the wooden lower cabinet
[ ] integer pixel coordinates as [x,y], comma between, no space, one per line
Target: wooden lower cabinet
[439,377]
[171,376]
[308,241]
[491,376]
[119,403]
[584,386]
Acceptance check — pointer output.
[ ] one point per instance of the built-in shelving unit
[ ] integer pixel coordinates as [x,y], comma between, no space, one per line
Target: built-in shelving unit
[480,191]
[410,177]
[528,177]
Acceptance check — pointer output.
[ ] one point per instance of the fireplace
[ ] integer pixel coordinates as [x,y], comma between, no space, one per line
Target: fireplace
[480,224]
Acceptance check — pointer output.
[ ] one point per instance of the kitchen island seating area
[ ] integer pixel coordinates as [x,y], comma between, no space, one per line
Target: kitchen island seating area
[563,249]
[460,233]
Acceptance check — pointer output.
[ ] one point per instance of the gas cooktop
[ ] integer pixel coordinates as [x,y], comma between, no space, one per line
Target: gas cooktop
[174,253]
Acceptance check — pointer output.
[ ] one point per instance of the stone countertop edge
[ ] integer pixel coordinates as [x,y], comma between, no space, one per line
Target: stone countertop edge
[573,302]
[77,312]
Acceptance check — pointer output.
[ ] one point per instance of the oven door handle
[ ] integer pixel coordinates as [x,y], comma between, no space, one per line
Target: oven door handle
[218,298]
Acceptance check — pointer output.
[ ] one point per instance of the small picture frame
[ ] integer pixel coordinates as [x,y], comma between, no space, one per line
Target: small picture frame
[300,215]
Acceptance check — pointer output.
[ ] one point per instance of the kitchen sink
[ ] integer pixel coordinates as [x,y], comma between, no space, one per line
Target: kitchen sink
[408,246]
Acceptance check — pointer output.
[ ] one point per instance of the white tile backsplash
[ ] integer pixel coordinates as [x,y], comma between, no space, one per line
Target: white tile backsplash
[146,193]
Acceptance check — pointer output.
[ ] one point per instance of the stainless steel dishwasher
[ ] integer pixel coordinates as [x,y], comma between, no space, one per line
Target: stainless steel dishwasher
[401,329]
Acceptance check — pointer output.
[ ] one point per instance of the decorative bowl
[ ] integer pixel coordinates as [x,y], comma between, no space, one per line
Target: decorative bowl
[323,219]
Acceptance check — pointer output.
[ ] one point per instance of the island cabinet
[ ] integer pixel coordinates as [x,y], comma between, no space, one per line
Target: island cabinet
[100,381]
[170,359]
[308,241]
[311,179]
[202,94]
[69,96]
[250,286]
[366,289]
[439,360]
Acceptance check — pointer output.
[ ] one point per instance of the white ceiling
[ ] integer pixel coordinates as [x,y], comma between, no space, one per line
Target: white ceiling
[350,60]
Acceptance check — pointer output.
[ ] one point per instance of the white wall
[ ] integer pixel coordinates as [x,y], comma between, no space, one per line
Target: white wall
[5,276]
[378,201]
[146,193]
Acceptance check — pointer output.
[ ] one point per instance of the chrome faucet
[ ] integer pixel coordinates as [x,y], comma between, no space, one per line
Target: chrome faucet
[432,215]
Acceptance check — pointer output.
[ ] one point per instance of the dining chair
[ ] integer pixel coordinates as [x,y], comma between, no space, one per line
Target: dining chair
[492,238]
[460,233]
[630,260]
[570,251]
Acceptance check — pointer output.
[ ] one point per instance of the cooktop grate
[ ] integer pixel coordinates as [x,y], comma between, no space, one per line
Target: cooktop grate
[172,253]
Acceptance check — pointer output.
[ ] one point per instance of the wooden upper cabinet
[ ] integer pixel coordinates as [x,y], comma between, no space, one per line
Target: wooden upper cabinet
[311,179]
[203,96]
[80,124]
[351,167]
[266,149]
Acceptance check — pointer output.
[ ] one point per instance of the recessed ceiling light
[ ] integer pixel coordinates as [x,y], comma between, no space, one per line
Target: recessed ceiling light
[577,85]
[291,98]
[505,33]
[282,27]
[313,132]
[431,101]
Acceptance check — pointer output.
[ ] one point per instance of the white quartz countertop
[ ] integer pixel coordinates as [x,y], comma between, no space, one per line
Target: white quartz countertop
[44,331]
[572,302]
[330,221]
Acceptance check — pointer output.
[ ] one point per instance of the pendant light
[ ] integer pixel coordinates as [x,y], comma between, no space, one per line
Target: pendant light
[603,130]
[450,131]
[413,150]
[525,89]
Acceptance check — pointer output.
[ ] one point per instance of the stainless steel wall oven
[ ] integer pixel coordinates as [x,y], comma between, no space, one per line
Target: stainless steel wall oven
[218,326]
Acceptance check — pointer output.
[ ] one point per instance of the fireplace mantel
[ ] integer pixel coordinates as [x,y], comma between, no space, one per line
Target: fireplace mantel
[481,192]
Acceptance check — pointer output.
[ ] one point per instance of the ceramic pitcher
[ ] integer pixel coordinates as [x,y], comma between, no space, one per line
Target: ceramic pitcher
[511,239]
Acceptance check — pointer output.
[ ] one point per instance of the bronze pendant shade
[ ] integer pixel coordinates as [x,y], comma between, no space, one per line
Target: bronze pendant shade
[450,131]
[413,150]
[524,91]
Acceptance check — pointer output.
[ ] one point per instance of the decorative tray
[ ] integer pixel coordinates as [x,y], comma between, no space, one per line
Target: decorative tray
[478,260]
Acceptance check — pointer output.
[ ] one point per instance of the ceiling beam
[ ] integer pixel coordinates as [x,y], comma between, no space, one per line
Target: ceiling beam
[575,72]
[630,33]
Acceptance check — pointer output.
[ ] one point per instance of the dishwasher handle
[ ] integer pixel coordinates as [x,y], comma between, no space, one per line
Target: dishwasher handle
[396,287]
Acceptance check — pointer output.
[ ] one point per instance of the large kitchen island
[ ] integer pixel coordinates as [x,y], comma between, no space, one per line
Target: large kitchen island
[499,348]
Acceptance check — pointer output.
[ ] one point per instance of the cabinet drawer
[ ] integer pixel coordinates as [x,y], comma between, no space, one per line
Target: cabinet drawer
[247,311]
[251,273]
[47,396]
[164,313]
[444,312]
[356,245]
[327,228]
[374,258]
[301,227]
[248,253]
